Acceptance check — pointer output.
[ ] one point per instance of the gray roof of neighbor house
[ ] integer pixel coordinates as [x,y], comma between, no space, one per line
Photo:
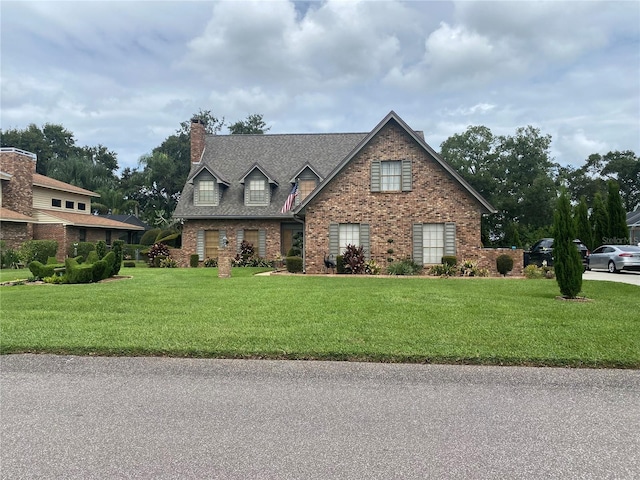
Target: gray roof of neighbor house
[633,218]
[280,156]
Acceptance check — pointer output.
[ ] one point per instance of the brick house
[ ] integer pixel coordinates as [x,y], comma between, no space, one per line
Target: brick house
[386,190]
[36,207]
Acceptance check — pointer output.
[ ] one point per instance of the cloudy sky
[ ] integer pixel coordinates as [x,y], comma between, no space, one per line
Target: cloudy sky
[125,74]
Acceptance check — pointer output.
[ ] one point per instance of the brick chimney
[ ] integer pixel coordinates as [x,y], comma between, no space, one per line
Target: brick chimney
[17,193]
[197,139]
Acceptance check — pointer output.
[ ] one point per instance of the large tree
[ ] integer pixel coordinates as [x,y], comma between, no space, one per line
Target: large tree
[600,221]
[253,124]
[49,143]
[514,173]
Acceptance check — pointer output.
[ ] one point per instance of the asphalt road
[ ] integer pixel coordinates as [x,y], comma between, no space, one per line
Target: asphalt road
[161,418]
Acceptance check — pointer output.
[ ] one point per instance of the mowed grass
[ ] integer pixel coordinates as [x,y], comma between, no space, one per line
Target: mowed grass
[192,312]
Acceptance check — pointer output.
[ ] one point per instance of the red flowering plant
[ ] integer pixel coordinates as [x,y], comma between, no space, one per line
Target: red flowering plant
[157,250]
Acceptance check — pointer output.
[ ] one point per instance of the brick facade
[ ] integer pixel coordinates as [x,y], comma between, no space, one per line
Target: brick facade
[190,232]
[17,194]
[348,199]
[15,234]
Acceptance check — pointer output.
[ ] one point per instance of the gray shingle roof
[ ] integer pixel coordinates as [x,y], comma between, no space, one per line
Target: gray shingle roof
[281,155]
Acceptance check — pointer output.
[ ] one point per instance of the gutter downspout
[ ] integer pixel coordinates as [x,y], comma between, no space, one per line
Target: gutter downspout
[304,243]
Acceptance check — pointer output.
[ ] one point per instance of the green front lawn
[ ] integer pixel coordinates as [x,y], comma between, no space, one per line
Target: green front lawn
[191,312]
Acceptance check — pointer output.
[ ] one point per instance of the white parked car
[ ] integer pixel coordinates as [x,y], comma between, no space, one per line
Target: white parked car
[615,258]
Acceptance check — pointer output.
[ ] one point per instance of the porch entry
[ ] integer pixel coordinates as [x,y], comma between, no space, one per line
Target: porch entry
[291,237]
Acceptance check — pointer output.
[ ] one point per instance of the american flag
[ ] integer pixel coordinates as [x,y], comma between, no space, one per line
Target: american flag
[289,202]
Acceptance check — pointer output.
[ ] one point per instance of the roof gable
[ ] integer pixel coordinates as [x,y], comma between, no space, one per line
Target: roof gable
[219,178]
[393,117]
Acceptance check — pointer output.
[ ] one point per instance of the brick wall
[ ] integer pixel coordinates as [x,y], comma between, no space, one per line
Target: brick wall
[17,193]
[190,232]
[52,231]
[488,256]
[436,197]
[15,234]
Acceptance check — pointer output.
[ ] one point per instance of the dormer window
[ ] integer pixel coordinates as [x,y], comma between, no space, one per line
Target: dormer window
[206,190]
[307,180]
[257,191]
[257,187]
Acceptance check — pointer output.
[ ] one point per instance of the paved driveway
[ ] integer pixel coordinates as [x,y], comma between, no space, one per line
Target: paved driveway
[623,277]
[163,418]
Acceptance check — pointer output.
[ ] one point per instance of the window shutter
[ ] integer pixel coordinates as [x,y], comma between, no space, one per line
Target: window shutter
[406,175]
[365,240]
[200,244]
[196,193]
[334,239]
[450,239]
[375,176]
[221,235]
[262,243]
[417,244]
[239,239]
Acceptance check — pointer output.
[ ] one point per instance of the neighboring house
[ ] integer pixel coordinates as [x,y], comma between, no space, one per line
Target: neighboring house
[386,190]
[35,207]
[133,236]
[633,222]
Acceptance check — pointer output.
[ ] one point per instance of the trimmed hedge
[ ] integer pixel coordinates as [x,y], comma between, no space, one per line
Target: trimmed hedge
[82,249]
[99,271]
[41,270]
[38,250]
[294,264]
[78,273]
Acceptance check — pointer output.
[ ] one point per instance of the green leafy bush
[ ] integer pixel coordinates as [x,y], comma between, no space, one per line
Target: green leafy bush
[99,270]
[167,263]
[110,258]
[443,270]
[533,272]
[41,270]
[294,264]
[129,263]
[101,248]
[340,264]
[504,264]
[450,260]
[92,257]
[8,256]
[354,261]
[81,248]
[193,260]
[211,262]
[372,268]
[39,250]
[404,267]
[78,273]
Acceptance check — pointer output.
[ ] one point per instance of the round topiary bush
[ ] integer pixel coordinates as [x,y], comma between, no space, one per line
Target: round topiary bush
[294,264]
[504,264]
[193,260]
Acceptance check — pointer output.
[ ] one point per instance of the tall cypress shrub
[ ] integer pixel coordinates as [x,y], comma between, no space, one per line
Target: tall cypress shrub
[566,258]
[618,232]
[116,248]
[600,221]
[583,226]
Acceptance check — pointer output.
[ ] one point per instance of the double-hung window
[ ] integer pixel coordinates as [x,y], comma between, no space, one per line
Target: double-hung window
[206,192]
[391,176]
[349,235]
[257,191]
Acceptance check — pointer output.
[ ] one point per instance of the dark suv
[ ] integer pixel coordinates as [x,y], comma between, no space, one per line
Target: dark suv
[542,253]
